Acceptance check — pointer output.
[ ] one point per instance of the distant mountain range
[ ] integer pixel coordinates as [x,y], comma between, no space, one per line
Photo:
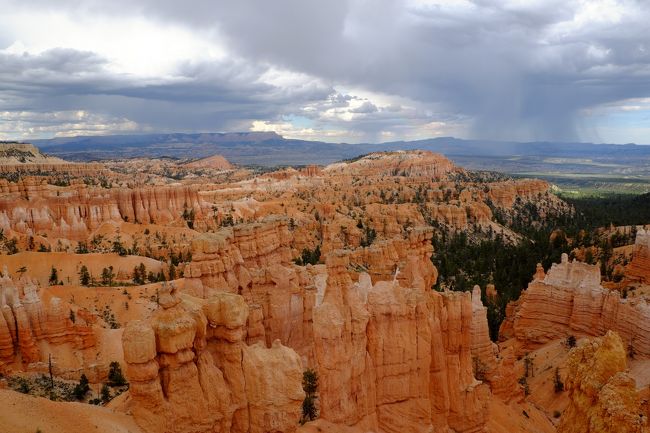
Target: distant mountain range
[270,149]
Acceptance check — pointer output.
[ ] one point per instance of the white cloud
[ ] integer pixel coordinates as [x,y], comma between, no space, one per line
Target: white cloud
[131,44]
[26,124]
[288,130]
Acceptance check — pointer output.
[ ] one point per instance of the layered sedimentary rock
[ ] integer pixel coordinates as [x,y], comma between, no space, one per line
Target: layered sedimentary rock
[26,325]
[639,267]
[570,300]
[32,206]
[504,194]
[603,398]
[217,162]
[392,355]
[414,163]
[191,371]
[27,158]
[396,358]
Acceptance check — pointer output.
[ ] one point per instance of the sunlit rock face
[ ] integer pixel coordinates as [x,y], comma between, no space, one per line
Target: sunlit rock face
[191,370]
[570,300]
[603,397]
[31,331]
[33,206]
[639,267]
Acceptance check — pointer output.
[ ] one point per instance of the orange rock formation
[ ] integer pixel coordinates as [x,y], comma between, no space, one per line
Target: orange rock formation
[31,331]
[570,300]
[639,267]
[603,398]
[191,371]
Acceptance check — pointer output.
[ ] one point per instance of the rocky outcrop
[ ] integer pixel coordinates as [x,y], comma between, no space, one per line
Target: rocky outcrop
[223,261]
[358,335]
[396,357]
[504,194]
[416,163]
[570,300]
[26,325]
[32,206]
[639,267]
[603,398]
[214,162]
[191,371]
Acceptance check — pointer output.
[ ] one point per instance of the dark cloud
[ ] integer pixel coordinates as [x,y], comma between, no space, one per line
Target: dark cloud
[202,96]
[515,70]
[365,108]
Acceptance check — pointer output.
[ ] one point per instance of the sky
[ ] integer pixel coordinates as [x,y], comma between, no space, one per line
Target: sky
[336,70]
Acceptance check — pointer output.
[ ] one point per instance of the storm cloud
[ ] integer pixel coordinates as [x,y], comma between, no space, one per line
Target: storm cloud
[347,70]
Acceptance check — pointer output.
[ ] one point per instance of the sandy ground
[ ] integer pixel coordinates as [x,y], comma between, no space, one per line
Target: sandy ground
[21,413]
[127,303]
[39,265]
[542,382]
[517,418]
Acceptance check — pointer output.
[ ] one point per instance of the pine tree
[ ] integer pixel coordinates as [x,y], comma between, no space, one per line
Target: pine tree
[105,393]
[54,277]
[310,386]
[84,276]
[115,376]
[82,388]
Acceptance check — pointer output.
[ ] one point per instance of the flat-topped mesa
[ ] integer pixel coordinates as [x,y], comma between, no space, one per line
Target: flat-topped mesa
[30,331]
[72,212]
[412,163]
[26,158]
[602,396]
[570,300]
[190,370]
[24,153]
[639,267]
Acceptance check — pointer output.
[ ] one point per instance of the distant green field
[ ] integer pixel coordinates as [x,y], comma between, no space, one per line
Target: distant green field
[590,185]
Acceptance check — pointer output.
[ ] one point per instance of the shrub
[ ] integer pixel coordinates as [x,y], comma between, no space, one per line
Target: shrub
[571,341]
[82,388]
[115,376]
[310,386]
[105,393]
[54,277]
[84,276]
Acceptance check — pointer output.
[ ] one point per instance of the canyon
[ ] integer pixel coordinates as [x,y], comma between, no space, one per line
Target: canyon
[250,279]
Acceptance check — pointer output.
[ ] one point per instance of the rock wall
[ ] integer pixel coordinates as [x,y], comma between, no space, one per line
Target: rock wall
[31,206]
[603,398]
[392,354]
[504,194]
[191,371]
[418,163]
[639,267]
[570,300]
[31,331]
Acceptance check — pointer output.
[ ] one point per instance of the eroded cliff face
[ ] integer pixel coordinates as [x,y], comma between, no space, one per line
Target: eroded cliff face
[228,353]
[570,300]
[639,267]
[400,163]
[392,354]
[30,331]
[31,207]
[603,397]
[191,370]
